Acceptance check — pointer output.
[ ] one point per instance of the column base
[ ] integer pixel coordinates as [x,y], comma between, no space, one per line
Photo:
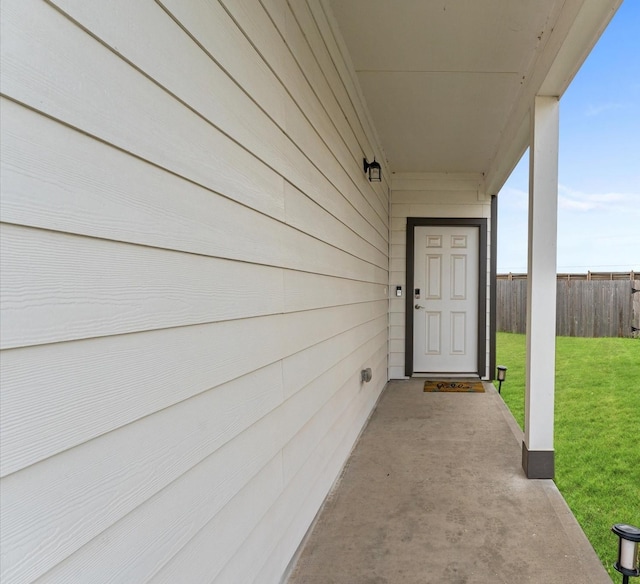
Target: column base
[538,464]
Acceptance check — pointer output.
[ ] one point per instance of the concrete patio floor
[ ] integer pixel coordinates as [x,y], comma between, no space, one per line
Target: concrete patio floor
[434,493]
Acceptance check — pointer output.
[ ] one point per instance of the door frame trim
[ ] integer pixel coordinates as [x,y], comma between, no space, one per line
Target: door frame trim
[481,224]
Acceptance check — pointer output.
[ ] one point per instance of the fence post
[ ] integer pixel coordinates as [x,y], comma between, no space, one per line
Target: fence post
[635,309]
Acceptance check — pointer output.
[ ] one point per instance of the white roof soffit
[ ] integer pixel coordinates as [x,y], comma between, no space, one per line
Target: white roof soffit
[449,83]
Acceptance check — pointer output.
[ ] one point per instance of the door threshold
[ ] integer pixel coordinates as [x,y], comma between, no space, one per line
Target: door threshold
[447,375]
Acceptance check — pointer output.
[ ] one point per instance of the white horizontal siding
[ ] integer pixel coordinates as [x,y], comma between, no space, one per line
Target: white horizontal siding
[305,114]
[266,554]
[161,448]
[313,53]
[437,196]
[300,369]
[296,452]
[95,386]
[138,204]
[70,85]
[113,288]
[137,201]
[210,564]
[321,464]
[194,272]
[57,287]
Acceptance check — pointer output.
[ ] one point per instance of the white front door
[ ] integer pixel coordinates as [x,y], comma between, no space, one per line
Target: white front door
[445,299]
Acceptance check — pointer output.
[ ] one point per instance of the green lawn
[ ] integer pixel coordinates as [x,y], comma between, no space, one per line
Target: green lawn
[597,429]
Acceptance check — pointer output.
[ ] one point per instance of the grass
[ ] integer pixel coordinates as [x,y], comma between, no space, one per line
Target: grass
[597,429]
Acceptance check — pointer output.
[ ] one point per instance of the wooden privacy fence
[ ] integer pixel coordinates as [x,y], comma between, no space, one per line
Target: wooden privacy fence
[584,308]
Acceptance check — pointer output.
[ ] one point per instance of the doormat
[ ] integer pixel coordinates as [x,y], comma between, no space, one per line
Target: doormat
[454,386]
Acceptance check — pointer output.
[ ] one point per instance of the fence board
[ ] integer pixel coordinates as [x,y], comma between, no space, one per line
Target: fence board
[584,308]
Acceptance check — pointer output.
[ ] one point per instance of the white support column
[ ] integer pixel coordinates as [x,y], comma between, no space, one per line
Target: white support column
[537,448]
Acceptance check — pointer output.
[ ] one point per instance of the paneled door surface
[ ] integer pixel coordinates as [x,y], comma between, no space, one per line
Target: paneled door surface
[445,299]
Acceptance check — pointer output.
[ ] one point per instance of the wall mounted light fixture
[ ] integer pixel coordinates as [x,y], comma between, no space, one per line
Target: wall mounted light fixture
[373,170]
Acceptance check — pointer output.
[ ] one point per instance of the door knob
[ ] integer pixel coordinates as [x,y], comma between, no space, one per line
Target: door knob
[418,306]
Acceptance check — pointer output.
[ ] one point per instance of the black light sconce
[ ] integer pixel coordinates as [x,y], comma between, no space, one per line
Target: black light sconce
[502,375]
[373,170]
[627,563]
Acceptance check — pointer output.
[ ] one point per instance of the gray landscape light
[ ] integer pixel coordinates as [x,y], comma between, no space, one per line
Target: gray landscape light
[627,563]
[502,375]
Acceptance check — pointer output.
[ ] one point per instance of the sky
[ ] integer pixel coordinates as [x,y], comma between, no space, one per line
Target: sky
[599,163]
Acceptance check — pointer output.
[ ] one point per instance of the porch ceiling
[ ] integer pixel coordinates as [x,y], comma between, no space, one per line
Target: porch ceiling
[448,83]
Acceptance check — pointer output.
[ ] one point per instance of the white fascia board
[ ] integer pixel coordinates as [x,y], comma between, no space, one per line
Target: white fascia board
[578,28]
[588,26]
[508,155]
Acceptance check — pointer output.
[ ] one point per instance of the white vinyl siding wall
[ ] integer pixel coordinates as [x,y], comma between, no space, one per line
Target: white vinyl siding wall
[427,195]
[194,272]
